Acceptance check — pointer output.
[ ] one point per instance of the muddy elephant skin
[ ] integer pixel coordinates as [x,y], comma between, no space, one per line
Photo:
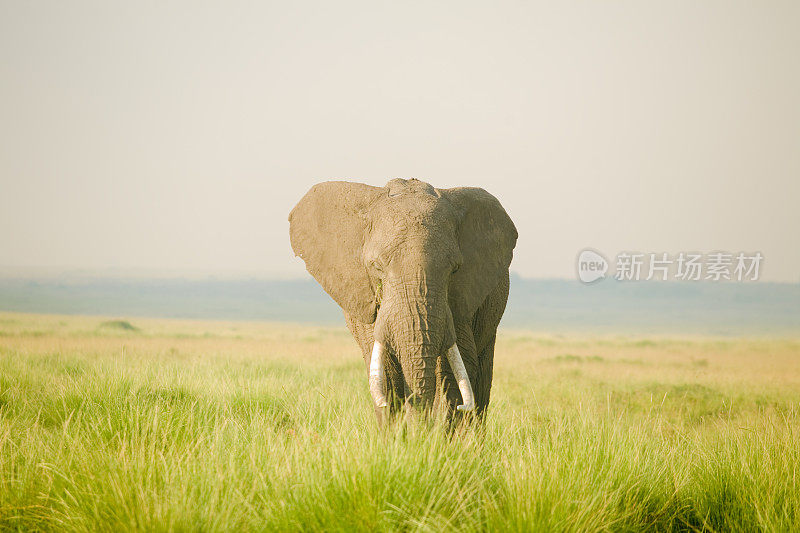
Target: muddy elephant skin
[422,277]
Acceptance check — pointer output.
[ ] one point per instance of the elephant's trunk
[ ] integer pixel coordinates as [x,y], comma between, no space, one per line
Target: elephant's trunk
[423,383]
[412,330]
[414,324]
[420,342]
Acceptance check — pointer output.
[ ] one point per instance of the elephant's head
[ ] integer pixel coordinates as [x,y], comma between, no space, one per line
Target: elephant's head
[414,261]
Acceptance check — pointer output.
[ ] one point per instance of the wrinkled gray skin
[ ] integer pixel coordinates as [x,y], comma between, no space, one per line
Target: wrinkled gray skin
[415,268]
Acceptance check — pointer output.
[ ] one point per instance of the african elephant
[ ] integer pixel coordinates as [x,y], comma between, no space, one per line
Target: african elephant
[422,276]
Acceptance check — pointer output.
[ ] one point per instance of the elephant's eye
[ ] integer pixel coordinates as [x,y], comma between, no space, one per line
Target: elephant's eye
[455,268]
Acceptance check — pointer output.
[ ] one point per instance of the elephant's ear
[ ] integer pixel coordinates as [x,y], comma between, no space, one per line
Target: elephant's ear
[327,228]
[487,237]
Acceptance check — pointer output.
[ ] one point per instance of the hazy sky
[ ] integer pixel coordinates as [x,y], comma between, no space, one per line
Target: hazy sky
[176,137]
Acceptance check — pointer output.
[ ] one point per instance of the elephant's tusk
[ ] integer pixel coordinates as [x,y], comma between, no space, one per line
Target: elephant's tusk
[377,375]
[460,373]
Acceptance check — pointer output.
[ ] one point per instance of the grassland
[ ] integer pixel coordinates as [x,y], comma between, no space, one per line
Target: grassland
[170,425]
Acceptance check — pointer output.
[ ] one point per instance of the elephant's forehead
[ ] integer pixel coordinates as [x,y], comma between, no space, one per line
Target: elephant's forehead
[413,210]
[400,186]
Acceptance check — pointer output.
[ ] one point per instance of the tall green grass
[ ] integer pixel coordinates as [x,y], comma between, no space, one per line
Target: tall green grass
[269,428]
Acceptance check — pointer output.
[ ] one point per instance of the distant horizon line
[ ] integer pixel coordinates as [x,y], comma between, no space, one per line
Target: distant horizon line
[7,273]
[144,274]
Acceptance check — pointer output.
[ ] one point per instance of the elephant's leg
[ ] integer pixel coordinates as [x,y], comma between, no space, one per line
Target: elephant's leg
[363,334]
[484,328]
[484,386]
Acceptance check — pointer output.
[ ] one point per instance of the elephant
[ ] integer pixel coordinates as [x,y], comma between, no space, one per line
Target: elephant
[422,275]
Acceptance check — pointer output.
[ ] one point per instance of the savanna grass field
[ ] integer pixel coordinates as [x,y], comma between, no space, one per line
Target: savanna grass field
[110,424]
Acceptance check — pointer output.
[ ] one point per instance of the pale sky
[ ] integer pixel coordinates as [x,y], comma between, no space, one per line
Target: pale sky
[167,136]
